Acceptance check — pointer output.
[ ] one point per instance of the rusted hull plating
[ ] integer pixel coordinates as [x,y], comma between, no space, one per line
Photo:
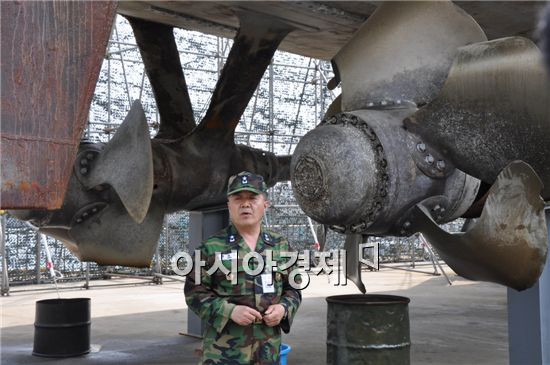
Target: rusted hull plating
[51,58]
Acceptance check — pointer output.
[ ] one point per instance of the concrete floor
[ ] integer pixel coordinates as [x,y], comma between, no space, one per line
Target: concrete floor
[465,323]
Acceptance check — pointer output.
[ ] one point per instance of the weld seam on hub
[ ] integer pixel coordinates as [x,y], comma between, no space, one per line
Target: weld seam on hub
[371,212]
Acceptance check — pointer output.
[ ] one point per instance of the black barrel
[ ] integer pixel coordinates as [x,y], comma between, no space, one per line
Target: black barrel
[62,327]
[368,329]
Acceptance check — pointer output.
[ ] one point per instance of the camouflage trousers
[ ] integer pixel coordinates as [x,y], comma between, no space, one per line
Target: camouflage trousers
[240,345]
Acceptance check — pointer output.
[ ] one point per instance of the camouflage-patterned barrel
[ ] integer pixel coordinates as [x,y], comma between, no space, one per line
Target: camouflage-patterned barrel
[368,329]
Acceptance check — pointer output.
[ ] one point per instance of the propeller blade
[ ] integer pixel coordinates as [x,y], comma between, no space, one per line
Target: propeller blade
[508,243]
[254,46]
[403,52]
[63,236]
[493,109]
[126,164]
[112,237]
[160,55]
[334,108]
[353,265]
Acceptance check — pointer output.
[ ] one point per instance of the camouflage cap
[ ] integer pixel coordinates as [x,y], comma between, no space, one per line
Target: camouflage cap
[246,181]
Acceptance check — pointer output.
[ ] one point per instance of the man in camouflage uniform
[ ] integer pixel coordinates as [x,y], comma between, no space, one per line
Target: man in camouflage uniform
[244,319]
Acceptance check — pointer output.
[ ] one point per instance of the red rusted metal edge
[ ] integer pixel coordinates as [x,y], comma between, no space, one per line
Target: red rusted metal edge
[51,58]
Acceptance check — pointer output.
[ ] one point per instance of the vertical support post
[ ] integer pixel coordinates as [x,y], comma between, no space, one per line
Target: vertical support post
[157,279]
[38,249]
[203,224]
[413,254]
[5,290]
[432,258]
[109,75]
[157,276]
[87,284]
[271,111]
[108,56]
[219,55]
[316,83]
[529,319]
[322,86]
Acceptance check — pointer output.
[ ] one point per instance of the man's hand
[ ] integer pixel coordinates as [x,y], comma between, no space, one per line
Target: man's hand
[243,315]
[274,314]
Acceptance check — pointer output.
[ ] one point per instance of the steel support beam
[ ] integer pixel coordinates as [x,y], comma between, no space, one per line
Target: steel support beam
[38,259]
[203,224]
[529,320]
[5,290]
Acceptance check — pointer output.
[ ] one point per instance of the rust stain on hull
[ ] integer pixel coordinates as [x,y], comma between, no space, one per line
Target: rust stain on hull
[51,58]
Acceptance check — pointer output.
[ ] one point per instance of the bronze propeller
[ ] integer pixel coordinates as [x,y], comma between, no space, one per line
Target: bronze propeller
[431,116]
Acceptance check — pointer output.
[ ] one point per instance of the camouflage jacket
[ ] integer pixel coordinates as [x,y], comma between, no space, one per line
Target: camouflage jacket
[215,297]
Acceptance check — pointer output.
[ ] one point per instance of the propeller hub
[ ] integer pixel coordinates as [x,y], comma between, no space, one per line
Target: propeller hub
[361,172]
[337,172]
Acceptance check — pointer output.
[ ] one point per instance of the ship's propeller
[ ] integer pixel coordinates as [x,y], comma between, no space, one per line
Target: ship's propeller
[463,109]
[119,222]
[126,164]
[508,243]
[493,109]
[488,103]
[124,228]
